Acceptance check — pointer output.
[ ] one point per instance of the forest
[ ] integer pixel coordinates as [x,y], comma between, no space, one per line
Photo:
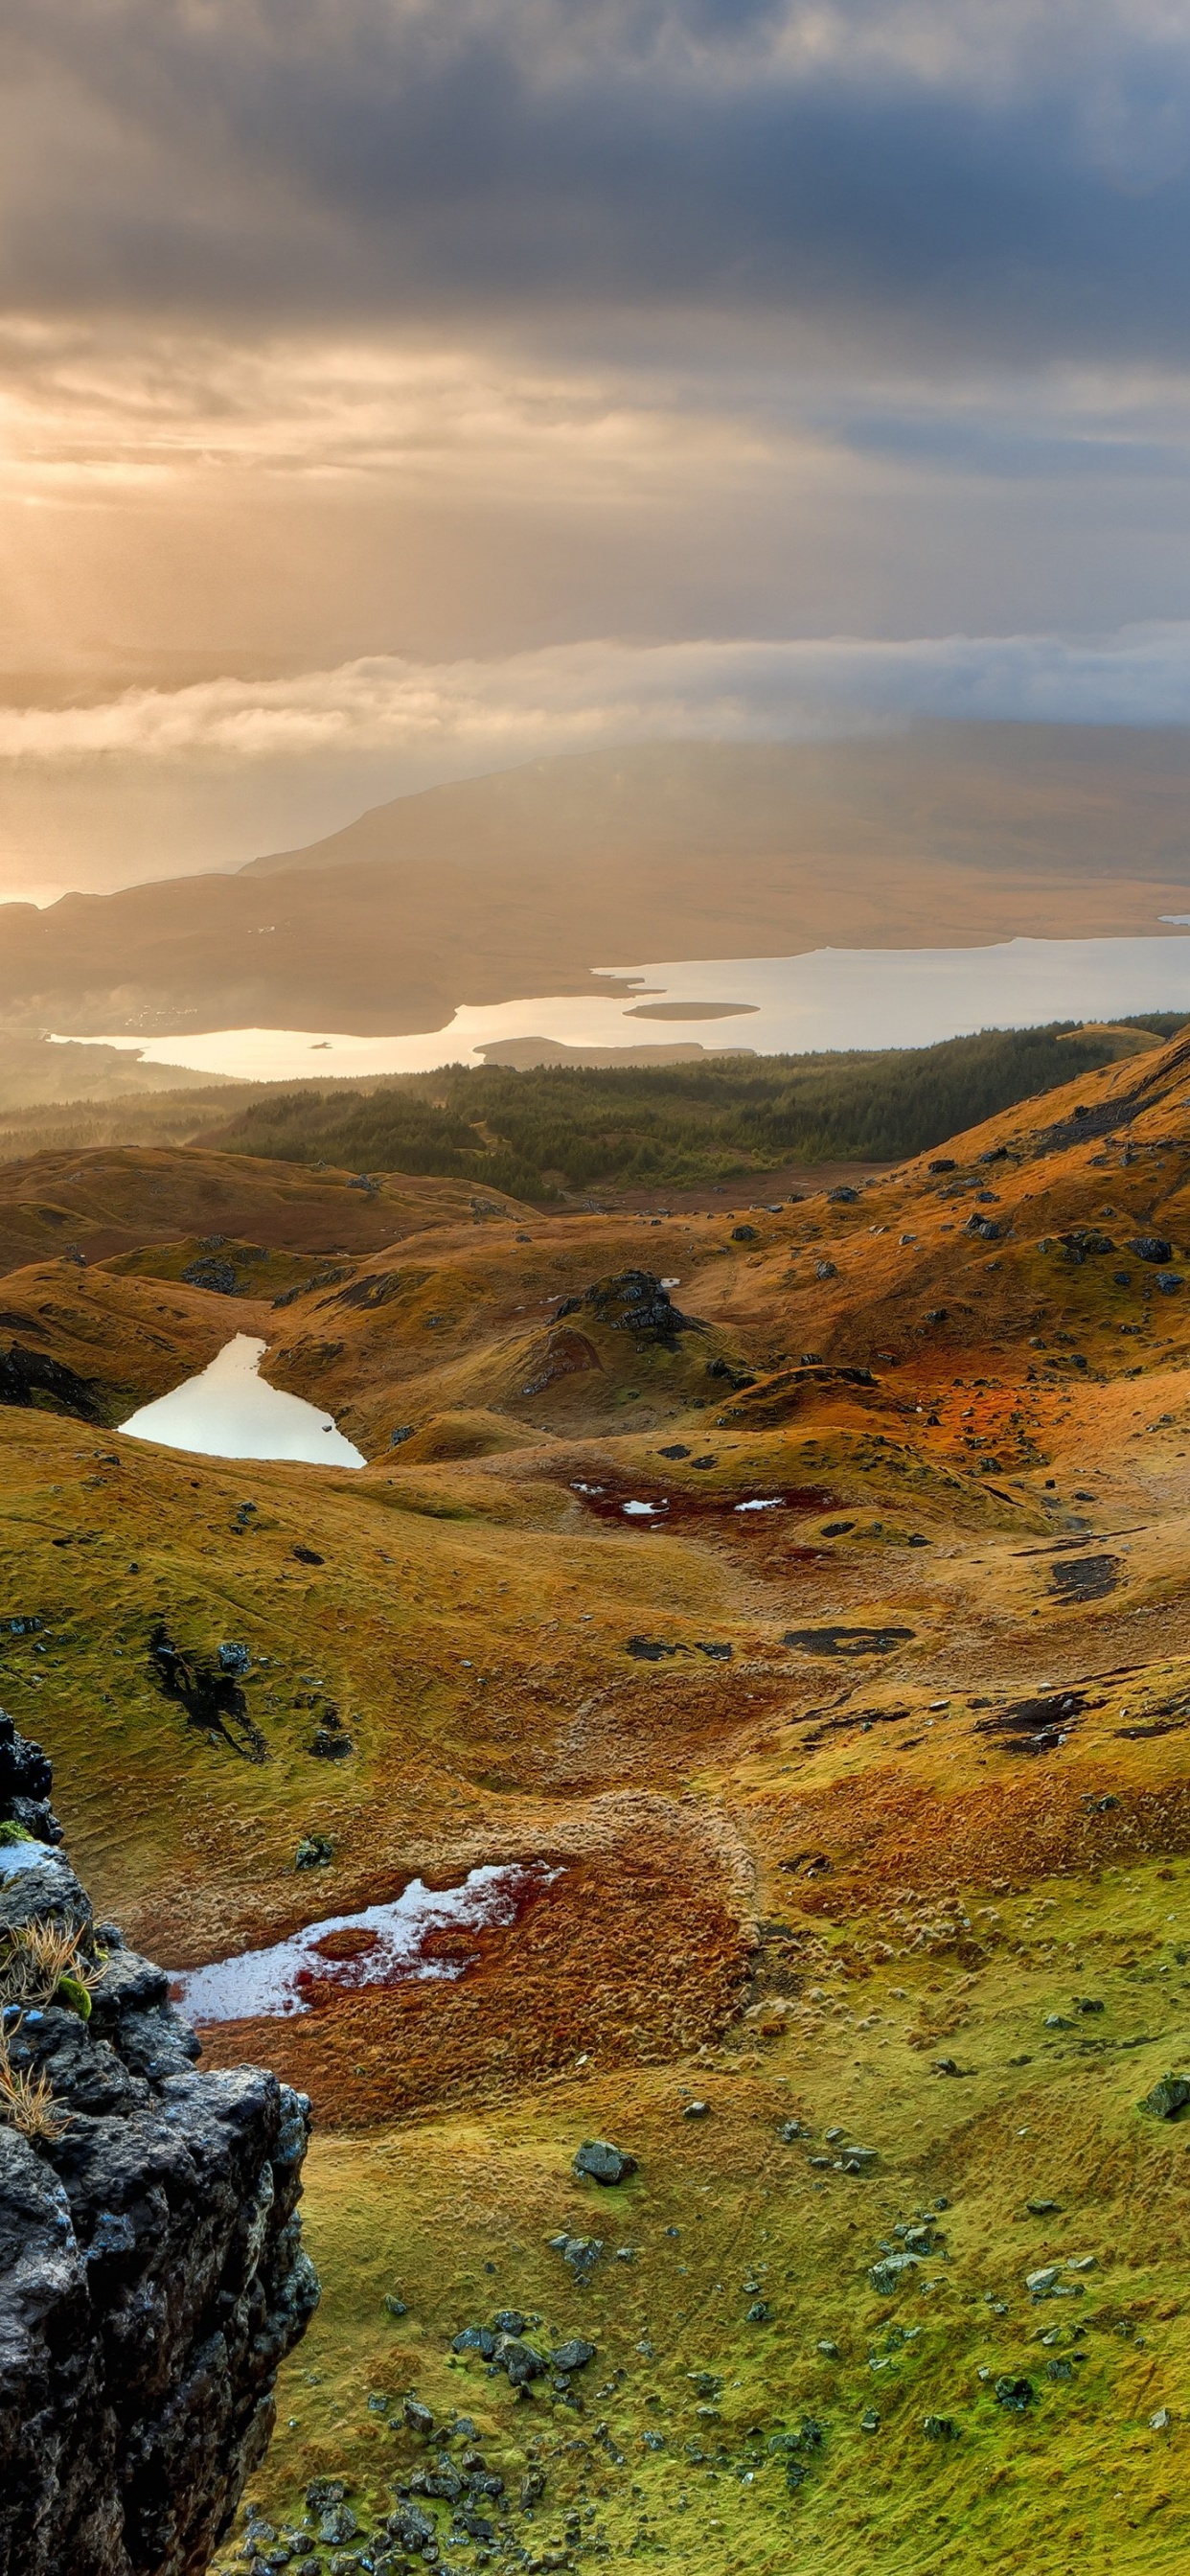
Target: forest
[560,1130]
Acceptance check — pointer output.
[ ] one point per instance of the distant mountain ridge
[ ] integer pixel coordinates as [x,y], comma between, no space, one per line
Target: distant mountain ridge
[518,884]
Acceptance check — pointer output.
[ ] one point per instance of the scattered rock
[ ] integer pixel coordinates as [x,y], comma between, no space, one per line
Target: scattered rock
[939,2428]
[217,1277]
[1084,1578]
[743,1234]
[1150,1247]
[478,2339]
[580,2253]
[696,2110]
[1035,1725]
[418,2417]
[307,1555]
[653,1650]
[1014,2394]
[601,2162]
[847,1641]
[1161,2421]
[410,2527]
[633,1301]
[211,1697]
[26,1779]
[518,2359]
[1169,2096]
[314,1852]
[331,1744]
[891,2273]
[337,2526]
[573,2355]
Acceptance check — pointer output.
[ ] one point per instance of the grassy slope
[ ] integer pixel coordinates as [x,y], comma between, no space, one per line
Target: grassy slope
[470,1619]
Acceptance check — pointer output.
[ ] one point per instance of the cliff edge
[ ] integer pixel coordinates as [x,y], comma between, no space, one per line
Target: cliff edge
[151,2270]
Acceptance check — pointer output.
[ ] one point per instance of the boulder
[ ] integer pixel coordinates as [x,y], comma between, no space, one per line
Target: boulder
[519,2360]
[632,1301]
[410,2527]
[601,2162]
[891,2273]
[1169,2096]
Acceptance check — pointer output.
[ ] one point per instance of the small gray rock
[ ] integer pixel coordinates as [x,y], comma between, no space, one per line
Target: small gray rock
[601,2162]
[890,2274]
[337,2526]
[410,2527]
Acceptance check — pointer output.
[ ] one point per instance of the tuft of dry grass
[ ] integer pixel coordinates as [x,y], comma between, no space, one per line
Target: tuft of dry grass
[40,1960]
[27,2101]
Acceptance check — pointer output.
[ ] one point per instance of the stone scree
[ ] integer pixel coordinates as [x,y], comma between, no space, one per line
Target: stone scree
[151,2270]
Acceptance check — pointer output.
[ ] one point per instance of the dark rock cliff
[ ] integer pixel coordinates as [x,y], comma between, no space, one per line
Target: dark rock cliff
[151,2270]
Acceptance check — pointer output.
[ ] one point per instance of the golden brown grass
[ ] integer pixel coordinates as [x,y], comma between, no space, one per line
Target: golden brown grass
[27,2101]
[38,1960]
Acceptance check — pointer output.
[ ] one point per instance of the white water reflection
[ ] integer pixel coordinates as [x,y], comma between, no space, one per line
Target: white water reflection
[829,998]
[380,1946]
[228,1411]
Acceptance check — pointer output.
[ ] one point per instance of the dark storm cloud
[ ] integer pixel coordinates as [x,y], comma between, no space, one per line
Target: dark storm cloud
[1012,182]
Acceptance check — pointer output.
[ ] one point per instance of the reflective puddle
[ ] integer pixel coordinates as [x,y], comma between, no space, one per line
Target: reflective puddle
[229,1411]
[384,1945]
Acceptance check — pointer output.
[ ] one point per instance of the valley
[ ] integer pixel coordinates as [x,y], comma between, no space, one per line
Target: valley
[791,1598]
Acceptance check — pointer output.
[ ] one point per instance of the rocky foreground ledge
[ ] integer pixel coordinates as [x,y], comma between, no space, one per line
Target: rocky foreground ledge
[151,2270]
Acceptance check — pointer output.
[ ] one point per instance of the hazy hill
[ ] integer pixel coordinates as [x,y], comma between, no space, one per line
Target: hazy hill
[515,884]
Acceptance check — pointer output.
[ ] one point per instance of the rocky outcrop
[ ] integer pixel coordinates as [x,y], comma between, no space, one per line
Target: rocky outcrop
[634,1301]
[25,1374]
[151,2271]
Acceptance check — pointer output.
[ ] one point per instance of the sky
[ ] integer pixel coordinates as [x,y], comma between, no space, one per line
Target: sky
[391,391]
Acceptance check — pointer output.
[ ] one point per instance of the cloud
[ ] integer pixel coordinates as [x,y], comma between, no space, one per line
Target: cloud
[1012,181]
[473,714]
